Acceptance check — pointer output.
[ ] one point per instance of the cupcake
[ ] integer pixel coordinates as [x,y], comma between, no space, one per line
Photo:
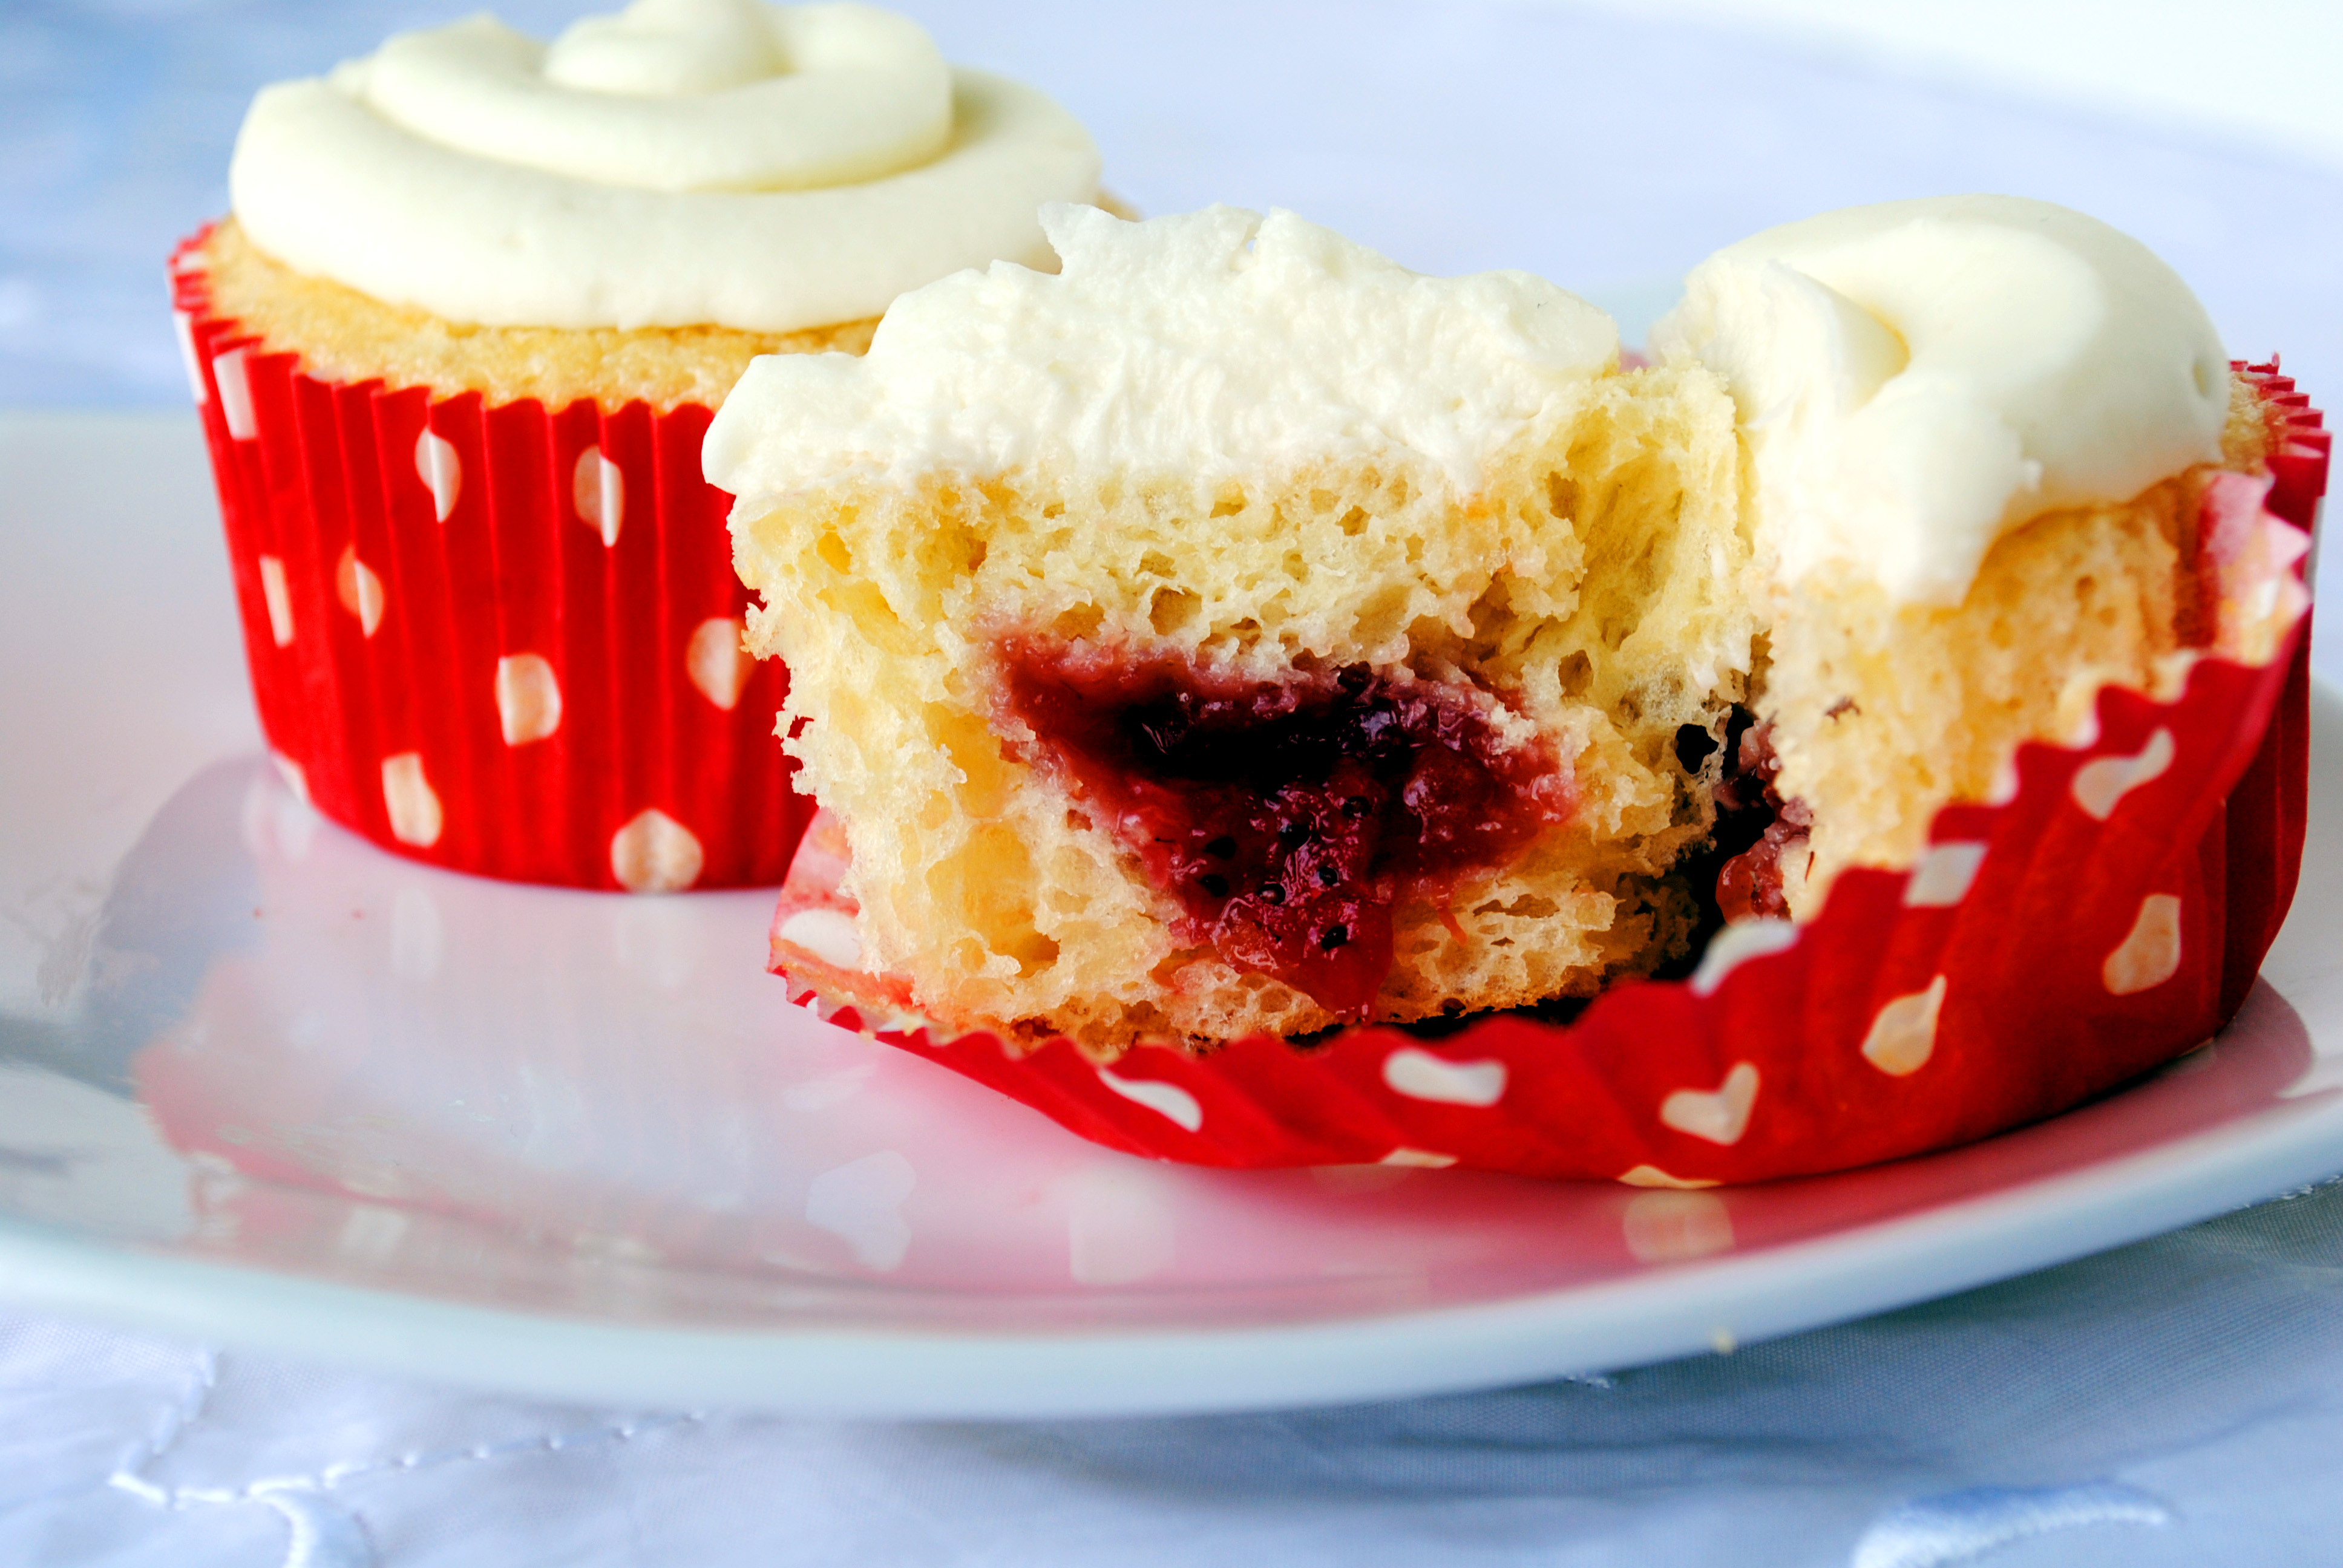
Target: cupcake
[1234,638]
[455,350]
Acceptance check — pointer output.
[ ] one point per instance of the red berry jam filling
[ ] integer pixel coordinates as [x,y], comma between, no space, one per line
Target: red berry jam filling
[1756,831]
[1287,817]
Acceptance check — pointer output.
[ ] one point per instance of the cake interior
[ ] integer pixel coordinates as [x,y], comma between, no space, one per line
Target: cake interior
[1145,761]
[1142,757]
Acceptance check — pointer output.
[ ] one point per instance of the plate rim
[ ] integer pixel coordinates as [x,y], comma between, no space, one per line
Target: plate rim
[1655,1313]
[991,1373]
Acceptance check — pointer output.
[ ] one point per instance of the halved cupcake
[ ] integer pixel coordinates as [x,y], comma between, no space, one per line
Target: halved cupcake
[1236,633]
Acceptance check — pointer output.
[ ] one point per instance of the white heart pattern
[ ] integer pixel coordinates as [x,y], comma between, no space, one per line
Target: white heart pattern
[2100,784]
[1168,1100]
[1903,1035]
[1721,1116]
[1420,1075]
[2150,954]
[1942,877]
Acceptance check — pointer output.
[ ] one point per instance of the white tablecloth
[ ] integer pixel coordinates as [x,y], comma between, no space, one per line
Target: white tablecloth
[2179,1401]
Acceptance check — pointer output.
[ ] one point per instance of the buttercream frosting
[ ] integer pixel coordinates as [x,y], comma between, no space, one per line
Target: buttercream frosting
[1916,378]
[760,166]
[1209,343]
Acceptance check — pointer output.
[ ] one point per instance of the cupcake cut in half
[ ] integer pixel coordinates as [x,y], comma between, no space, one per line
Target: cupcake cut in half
[1239,634]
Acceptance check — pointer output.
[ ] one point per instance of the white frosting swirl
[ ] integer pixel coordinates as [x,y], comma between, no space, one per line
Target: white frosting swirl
[1206,344]
[684,162]
[1918,378]
[677,95]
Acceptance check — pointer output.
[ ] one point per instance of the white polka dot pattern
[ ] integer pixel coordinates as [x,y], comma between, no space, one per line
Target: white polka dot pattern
[2101,784]
[1942,877]
[184,326]
[599,491]
[717,663]
[1675,1227]
[236,394]
[1420,1075]
[2150,954]
[280,600]
[654,853]
[1417,1159]
[488,625]
[528,697]
[1166,1099]
[828,934]
[442,474]
[1720,1115]
[1903,1035]
[415,814]
[360,591]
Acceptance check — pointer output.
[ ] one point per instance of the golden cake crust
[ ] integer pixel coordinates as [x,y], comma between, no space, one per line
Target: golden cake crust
[1884,714]
[342,335]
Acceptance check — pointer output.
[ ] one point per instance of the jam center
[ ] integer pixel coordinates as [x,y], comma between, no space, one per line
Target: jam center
[1286,817]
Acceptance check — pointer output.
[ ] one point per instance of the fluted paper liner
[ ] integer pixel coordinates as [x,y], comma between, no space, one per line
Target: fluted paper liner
[2106,916]
[502,638]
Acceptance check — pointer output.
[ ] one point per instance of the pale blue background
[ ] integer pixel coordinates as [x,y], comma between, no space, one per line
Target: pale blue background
[2177,1402]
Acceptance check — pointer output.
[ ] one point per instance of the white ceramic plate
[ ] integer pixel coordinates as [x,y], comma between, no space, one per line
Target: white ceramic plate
[579,1145]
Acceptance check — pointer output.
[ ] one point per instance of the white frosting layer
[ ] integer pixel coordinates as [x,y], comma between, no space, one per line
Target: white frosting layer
[1217,342]
[687,161]
[1917,377]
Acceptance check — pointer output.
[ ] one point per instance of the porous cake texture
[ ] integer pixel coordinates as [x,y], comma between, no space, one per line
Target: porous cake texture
[1882,714]
[1581,601]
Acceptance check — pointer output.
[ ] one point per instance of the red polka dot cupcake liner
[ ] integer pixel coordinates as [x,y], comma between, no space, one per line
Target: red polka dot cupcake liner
[2105,913]
[500,639]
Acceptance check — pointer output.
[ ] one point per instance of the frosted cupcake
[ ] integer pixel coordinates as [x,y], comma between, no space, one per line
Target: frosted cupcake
[1233,636]
[455,350]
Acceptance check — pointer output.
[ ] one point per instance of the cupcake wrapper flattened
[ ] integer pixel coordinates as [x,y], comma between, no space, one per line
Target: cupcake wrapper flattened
[501,639]
[2105,916]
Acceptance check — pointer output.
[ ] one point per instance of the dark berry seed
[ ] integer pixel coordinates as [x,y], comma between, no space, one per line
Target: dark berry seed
[1292,833]
[1222,848]
[1271,893]
[1328,876]
[1334,937]
[1355,806]
[1215,884]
